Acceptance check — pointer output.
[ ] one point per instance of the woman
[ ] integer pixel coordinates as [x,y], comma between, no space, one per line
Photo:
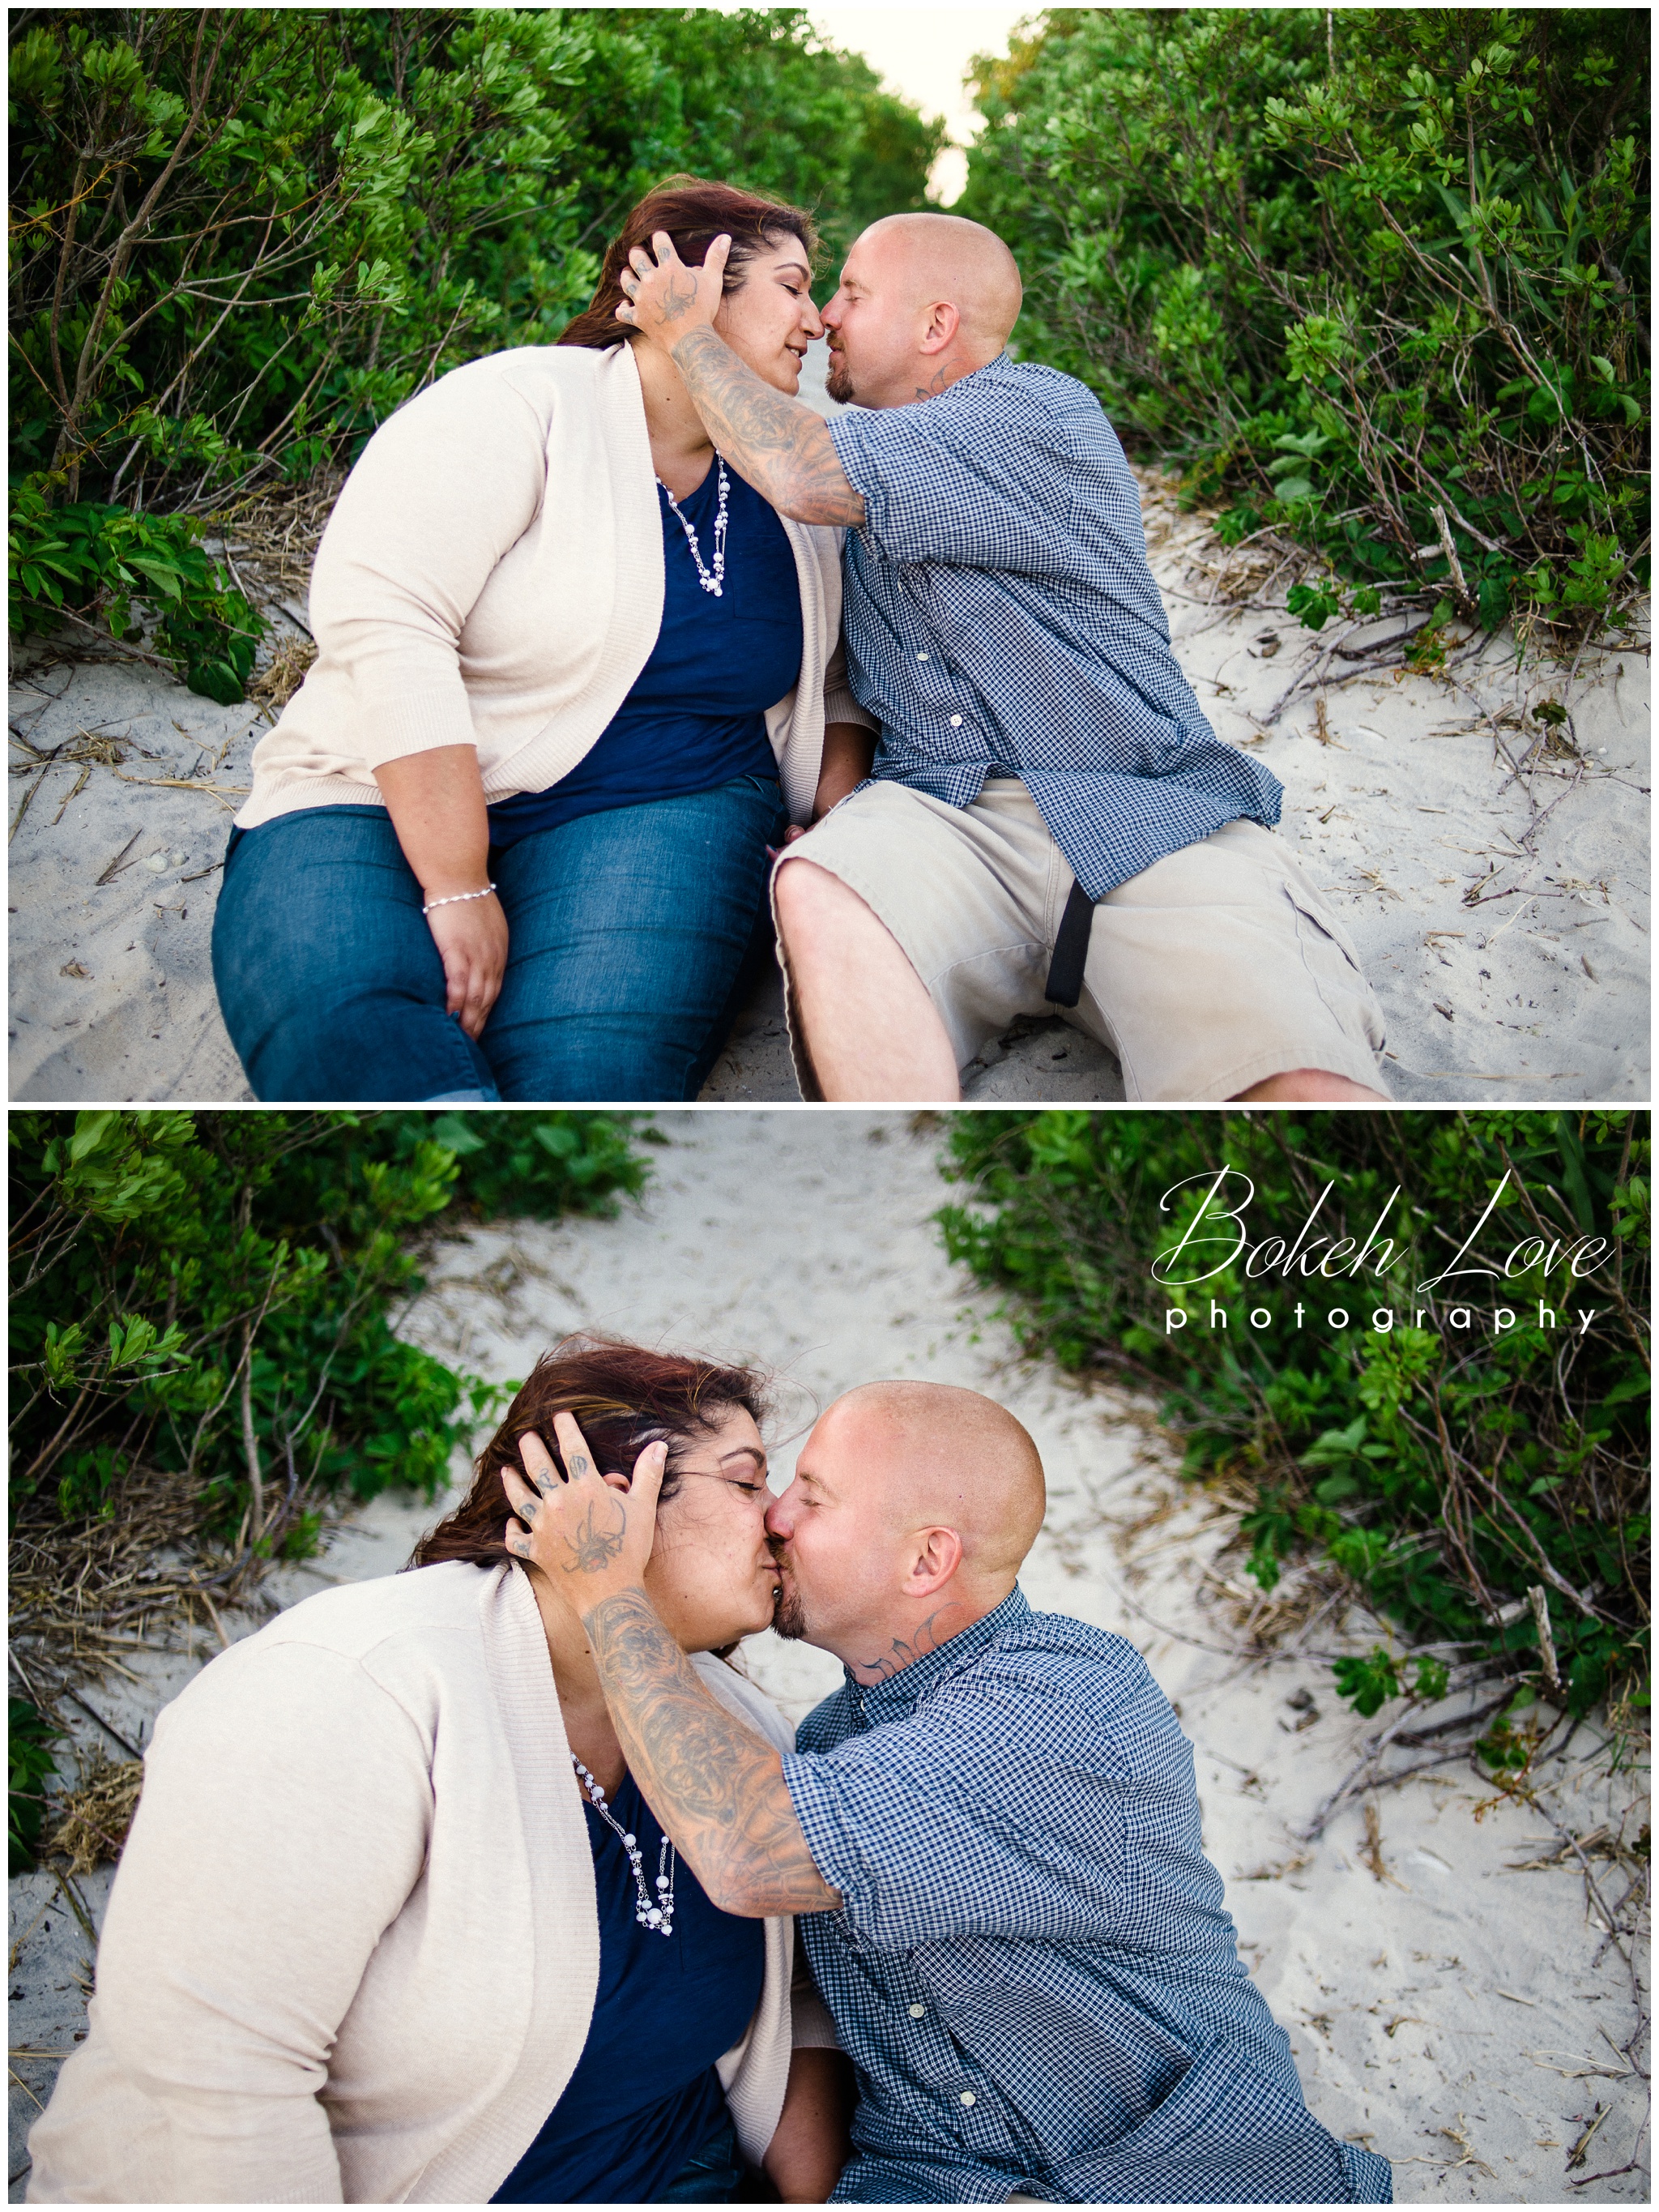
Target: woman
[392,1923]
[509,838]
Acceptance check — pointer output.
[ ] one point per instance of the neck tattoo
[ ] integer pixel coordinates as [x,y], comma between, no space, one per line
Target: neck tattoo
[656,1913]
[711,580]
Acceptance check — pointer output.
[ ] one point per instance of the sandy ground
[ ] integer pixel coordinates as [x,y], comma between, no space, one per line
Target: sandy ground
[1405,1942]
[1493,871]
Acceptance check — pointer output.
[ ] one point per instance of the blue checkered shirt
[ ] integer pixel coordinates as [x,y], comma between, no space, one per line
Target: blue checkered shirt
[1002,620]
[1032,1968]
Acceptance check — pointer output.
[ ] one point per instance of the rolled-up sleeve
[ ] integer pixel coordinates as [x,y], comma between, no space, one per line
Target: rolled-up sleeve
[839,704]
[962,479]
[930,1831]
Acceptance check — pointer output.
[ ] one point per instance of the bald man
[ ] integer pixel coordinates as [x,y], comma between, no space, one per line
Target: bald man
[1046,823]
[991,1832]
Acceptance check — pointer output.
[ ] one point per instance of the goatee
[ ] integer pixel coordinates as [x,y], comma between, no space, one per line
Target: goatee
[789,1616]
[838,384]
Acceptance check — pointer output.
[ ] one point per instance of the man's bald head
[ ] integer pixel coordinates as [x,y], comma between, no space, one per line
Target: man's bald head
[949,1457]
[924,300]
[945,257]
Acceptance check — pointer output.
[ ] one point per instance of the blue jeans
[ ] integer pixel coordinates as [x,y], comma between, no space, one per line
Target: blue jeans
[712,2175]
[631,937]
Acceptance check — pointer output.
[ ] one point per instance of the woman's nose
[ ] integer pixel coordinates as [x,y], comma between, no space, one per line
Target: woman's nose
[811,320]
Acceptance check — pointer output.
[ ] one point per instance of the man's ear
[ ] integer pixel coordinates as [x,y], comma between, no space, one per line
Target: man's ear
[942,326]
[935,1559]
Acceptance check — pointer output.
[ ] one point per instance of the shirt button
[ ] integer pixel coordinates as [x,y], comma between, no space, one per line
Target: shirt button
[956,721]
[918,2012]
[967,2096]
[922,656]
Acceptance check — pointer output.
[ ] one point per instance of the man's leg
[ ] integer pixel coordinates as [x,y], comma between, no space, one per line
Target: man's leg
[870,1028]
[1220,973]
[1306,1085]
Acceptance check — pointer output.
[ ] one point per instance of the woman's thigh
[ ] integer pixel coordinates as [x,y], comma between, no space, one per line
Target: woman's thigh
[628,933]
[328,979]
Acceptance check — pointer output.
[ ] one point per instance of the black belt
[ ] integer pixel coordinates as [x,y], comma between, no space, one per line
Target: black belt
[1065,984]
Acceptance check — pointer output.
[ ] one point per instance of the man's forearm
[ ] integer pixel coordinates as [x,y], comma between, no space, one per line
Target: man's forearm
[780,446]
[849,752]
[811,2144]
[717,1790]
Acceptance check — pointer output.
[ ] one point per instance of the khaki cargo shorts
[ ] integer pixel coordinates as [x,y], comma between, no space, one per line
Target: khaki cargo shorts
[1208,972]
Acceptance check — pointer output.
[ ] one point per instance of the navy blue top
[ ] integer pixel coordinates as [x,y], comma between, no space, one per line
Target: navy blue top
[696,715]
[1002,620]
[645,2093]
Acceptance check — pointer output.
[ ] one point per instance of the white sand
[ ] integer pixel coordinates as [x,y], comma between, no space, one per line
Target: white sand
[1539,993]
[112,987]
[1479,1997]
[1408,808]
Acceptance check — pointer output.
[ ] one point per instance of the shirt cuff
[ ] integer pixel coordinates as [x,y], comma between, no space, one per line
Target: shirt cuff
[414,717]
[839,706]
[813,2027]
[847,435]
[811,1780]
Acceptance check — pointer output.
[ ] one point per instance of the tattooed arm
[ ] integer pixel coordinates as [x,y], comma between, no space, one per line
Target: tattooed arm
[783,448]
[717,1789]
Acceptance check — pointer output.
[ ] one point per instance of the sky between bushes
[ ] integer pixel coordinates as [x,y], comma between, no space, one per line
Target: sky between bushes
[922,52]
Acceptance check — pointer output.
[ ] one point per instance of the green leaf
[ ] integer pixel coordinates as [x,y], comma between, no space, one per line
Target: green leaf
[1367,1684]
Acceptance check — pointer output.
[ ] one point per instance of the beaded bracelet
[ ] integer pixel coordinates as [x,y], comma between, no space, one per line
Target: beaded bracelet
[457,898]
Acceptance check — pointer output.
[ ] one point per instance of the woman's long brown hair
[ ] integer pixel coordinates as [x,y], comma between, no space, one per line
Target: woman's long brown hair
[624,1397]
[695,211]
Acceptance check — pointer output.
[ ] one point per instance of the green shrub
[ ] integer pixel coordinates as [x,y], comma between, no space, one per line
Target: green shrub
[210,1296]
[1447,1470]
[1379,275]
[241,237]
[30,1766]
[100,558]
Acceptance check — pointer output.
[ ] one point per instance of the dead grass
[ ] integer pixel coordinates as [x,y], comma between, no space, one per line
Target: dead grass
[87,749]
[93,1818]
[278,681]
[271,536]
[87,1591]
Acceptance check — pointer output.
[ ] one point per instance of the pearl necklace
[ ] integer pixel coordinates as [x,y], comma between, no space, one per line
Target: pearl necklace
[716,582]
[658,1914]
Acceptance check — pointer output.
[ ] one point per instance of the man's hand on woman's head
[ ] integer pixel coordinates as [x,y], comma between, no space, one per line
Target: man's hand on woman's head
[590,1533]
[666,299]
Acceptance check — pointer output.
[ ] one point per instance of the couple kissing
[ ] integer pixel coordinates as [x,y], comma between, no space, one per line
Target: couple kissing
[498,1879]
[633,672]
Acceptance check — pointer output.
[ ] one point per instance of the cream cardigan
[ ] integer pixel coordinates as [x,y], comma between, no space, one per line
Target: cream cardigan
[492,575]
[352,1947]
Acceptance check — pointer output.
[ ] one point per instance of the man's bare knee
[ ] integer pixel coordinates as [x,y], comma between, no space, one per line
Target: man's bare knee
[1311,1085]
[811,900]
